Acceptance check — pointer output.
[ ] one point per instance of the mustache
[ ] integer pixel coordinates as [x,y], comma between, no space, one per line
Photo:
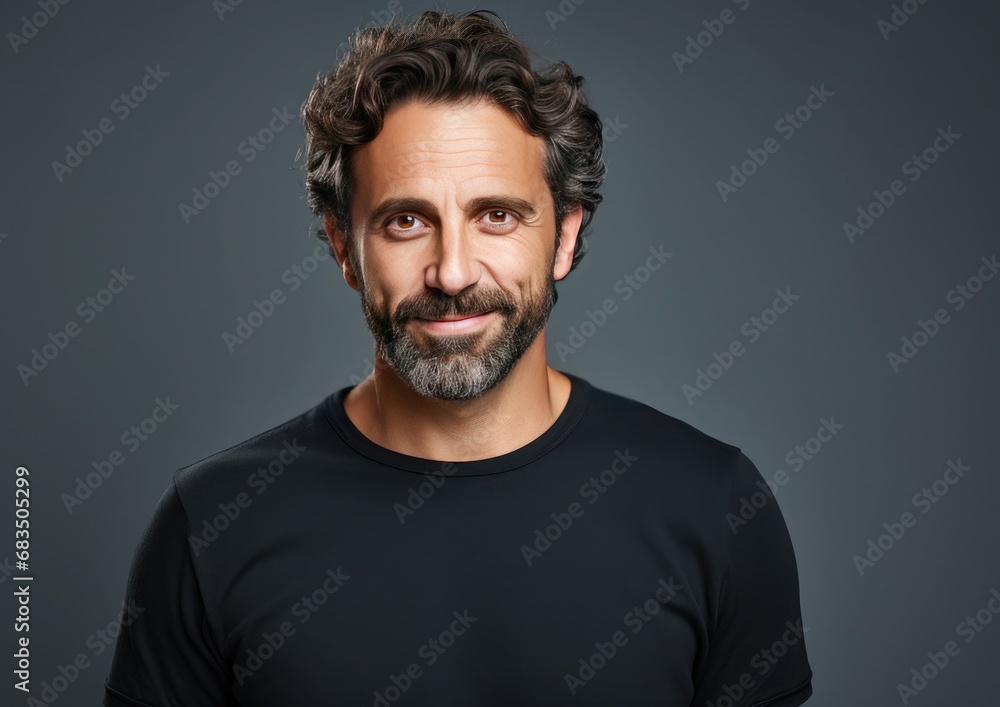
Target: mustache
[462,305]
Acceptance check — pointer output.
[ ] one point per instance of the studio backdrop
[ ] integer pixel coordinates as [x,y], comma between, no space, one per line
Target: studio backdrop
[797,253]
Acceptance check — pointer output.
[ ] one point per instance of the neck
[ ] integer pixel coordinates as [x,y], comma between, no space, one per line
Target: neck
[510,415]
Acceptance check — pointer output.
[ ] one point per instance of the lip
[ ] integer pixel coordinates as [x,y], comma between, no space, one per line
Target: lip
[453,326]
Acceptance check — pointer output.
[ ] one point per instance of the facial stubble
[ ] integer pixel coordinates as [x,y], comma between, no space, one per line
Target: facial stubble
[458,366]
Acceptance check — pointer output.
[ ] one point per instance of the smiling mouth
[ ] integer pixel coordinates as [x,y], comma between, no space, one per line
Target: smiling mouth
[460,318]
[459,324]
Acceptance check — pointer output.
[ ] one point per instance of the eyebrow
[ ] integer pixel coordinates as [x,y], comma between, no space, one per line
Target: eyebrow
[499,202]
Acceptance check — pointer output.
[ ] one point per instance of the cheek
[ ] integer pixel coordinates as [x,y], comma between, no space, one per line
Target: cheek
[525,290]
[521,270]
[518,280]
[387,290]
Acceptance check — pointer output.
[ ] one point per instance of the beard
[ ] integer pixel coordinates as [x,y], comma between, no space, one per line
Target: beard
[458,366]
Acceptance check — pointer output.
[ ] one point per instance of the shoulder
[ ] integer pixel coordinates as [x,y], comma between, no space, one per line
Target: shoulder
[271,451]
[668,436]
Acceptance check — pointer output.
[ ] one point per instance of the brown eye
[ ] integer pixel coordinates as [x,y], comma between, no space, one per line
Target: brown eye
[500,221]
[404,222]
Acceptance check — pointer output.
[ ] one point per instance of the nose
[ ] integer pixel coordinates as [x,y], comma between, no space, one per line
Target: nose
[455,265]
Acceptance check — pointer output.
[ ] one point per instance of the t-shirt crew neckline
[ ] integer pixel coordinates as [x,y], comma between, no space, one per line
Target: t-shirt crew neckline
[576,404]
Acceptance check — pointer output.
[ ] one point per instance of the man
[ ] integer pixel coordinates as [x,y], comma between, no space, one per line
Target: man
[467,526]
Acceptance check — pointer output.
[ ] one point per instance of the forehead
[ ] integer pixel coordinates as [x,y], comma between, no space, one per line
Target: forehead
[465,149]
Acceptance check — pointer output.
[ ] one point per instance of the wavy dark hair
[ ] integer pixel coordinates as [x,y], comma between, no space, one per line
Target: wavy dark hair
[448,57]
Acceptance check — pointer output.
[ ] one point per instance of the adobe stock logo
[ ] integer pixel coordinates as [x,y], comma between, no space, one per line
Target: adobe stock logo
[98,642]
[763,661]
[264,309]
[260,480]
[249,149]
[303,610]
[431,652]
[785,126]
[697,44]
[122,107]
[924,500]
[900,16]
[627,286]
[87,310]
[222,7]
[562,13]
[592,490]
[418,495]
[914,168]
[30,26]
[636,619]
[797,457]
[753,329]
[959,296]
[132,438]
[937,661]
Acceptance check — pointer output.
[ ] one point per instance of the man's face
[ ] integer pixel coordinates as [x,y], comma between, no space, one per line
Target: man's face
[452,218]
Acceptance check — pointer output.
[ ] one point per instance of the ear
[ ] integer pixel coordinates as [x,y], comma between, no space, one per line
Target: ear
[340,250]
[568,234]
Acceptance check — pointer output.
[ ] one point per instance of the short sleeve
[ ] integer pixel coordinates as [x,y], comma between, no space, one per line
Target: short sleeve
[757,653]
[165,655]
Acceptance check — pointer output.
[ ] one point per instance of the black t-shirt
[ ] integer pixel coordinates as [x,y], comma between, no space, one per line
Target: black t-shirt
[621,558]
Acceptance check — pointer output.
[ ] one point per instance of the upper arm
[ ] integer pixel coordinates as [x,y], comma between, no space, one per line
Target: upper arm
[757,653]
[165,654]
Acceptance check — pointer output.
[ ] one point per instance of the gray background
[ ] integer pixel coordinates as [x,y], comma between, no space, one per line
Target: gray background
[826,356]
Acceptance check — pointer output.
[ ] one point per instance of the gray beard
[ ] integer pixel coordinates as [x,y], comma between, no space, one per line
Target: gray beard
[450,367]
